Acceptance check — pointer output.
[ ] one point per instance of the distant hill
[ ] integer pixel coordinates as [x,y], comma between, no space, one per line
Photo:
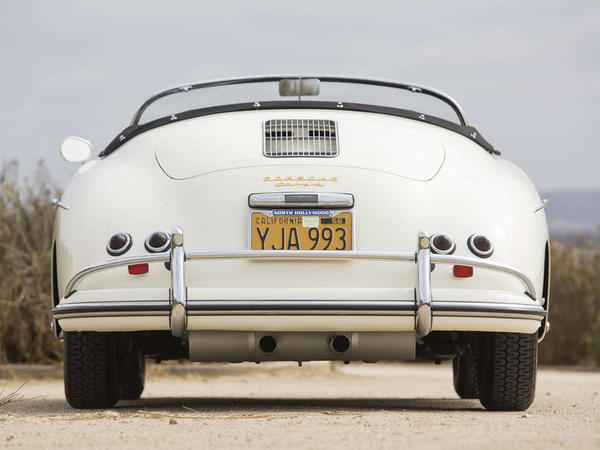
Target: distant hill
[573,211]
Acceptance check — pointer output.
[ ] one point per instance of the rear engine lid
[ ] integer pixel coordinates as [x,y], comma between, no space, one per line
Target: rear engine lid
[220,142]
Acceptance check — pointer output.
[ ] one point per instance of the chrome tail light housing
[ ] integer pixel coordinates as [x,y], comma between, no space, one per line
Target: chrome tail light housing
[158,242]
[480,245]
[118,244]
[442,244]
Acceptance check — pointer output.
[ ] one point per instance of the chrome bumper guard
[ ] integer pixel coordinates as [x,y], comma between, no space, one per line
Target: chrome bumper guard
[422,308]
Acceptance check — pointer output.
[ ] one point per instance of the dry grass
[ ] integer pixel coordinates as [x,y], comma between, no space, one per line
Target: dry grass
[26,219]
[11,397]
[574,304]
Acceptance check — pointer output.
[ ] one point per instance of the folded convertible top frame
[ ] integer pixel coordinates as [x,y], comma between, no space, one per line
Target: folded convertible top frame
[462,128]
[177,257]
[325,78]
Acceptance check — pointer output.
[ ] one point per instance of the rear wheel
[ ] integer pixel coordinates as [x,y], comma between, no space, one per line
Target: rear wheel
[90,370]
[464,371]
[508,369]
[132,373]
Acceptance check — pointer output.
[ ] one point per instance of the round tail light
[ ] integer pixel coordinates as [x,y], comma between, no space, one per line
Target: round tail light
[480,245]
[442,244]
[118,244]
[157,242]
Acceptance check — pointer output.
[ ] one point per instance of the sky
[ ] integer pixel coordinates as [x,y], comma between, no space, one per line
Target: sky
[527,74]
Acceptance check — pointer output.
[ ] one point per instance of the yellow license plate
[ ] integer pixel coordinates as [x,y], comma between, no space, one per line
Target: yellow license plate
[301,230]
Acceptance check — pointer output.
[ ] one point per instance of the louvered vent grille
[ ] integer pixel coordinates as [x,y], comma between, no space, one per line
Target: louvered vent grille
[307,138]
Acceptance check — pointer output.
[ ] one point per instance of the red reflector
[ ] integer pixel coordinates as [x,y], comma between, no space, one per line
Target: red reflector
[463,271]
[136,269]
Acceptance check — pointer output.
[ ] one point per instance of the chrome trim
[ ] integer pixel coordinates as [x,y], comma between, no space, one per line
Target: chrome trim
[111,263]
[423,318]
[301,254]
[399,308]
[178,292]
[121,250]
[261,306]
[545,204]
[107,314]
[544,328]
[434,249]
[286,200]
[422,306]
[112,306]
[152,249]
[475,250]
[307,312]
[527,283]
[323,78]
[488,309]
[57,202]
[439,307]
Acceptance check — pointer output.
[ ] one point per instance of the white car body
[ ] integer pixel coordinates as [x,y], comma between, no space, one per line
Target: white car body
[408,178]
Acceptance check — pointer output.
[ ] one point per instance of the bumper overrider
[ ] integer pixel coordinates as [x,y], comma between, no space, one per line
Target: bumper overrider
[178,307]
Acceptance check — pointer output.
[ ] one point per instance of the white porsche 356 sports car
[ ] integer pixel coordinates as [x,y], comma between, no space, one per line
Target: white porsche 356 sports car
[298,218]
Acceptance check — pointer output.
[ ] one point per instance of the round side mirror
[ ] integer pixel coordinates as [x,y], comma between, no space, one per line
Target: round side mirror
[76,149]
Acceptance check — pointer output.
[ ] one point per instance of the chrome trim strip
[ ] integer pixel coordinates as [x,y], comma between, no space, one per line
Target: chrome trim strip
[485,264]
[400,308]
[178,292]
[486,315]
[301,305]
[286,200]
[295,313]
[112,306]
[103,314]
[111,263]
[423,318]
[443,308]
[302,254]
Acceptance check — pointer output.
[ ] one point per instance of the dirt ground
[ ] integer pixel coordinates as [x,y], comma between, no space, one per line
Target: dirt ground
[319,405]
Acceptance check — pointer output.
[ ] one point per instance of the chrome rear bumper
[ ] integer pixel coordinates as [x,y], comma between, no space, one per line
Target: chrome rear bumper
[178,308]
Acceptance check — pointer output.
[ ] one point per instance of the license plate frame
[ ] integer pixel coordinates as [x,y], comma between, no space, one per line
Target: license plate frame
[312,213]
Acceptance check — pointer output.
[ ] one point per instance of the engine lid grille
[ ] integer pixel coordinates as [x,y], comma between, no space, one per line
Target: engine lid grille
[300,138]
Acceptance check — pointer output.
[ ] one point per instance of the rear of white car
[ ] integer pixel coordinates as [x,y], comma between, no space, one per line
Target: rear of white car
[298,234]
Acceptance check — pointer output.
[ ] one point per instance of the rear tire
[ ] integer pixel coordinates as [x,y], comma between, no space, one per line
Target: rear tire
[132,374]
[90,370]
[466,381]
[507,371]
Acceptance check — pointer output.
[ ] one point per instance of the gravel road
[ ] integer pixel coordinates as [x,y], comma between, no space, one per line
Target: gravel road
[319,405]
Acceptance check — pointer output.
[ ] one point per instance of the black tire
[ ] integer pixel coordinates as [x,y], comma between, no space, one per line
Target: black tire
[466,381]
[132,375]
[90,370]
[507,371]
